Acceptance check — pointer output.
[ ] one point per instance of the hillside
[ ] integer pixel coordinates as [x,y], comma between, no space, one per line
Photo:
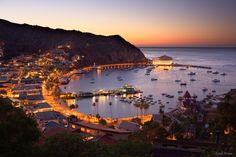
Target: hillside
[17,39]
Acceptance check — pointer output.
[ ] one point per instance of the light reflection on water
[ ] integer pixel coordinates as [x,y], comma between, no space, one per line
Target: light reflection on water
[165,84]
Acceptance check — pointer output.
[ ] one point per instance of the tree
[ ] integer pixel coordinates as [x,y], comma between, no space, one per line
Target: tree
[227,114]
[18,131]
[72,145]
[149,133]
[177,130]
[98,116]
[102,122]
[94,105]
[137,105]
[129,148]
[110,104]
[227,110]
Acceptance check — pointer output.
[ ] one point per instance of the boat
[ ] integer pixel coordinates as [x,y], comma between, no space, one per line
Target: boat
[154,79]
[216,81]
[183,84]
[169,96]
[92,82]
[223,74]
[209,71]
[204,89]
[180,98]
[192,80]
[182,69]
[191,73]
[216,72]
[177,80]
[213,91]
[180,91]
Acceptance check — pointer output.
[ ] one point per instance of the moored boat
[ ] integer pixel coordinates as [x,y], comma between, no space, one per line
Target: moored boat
[204,89]
[216,81]
[183,84]
[177,80]
[216,72]
[153,79]
[191,73]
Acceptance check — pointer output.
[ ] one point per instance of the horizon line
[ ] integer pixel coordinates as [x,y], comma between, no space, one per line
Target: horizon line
[233,47]
[107,35]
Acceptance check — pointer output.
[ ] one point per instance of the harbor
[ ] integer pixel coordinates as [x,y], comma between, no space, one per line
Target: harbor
[159,86]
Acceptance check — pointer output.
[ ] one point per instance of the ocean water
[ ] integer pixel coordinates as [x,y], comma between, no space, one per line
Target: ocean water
[221,60]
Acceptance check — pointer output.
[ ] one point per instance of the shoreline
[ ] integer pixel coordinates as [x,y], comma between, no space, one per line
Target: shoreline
[64,109]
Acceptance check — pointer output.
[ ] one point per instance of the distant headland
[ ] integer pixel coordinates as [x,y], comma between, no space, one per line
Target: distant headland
[19,39]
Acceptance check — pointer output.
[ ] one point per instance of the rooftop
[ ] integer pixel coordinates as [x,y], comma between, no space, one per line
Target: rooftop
[164,57]
[49,115]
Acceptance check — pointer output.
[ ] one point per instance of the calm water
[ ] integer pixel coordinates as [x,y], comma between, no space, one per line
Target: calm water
[222,60]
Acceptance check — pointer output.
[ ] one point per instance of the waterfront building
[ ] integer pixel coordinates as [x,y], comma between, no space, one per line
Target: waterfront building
[162,60]
[188,102]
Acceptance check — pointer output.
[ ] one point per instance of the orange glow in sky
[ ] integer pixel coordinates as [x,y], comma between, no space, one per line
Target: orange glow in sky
[141,22]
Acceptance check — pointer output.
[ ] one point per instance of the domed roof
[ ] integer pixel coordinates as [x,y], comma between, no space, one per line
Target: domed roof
[165,57]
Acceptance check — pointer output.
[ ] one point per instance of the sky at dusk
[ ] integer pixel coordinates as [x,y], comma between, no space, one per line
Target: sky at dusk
[141,22]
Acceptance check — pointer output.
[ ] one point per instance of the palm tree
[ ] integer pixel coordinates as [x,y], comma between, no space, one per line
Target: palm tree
[110,104]
[96,101]
[141,109]
[146,106]
[137,105]
[94,105]
[72,106]
[143,105]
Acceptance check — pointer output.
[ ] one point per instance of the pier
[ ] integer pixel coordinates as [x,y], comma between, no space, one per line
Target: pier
[141,64]
[125,90]
[121,65]
[128,65]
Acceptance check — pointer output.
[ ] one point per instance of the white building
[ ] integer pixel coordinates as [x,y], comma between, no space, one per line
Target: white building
[162,60]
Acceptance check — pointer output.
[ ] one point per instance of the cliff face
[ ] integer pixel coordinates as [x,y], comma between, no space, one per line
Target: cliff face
[20,39]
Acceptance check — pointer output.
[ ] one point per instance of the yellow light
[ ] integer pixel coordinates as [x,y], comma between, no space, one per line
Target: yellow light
[227,131]
[82,129]
[172,138]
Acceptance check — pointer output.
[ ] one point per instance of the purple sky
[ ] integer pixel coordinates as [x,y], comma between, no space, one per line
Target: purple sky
[142,22]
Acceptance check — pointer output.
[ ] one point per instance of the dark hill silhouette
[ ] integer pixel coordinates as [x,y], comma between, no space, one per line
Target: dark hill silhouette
[17,39]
